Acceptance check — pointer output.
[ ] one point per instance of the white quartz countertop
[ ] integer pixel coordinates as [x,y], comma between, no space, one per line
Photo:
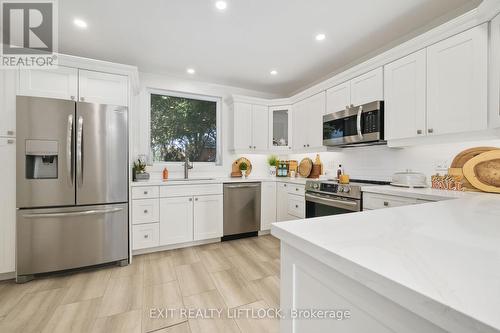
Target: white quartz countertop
[440,260]
[218,180]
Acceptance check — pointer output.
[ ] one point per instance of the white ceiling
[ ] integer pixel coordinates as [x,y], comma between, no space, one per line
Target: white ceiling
[240,46]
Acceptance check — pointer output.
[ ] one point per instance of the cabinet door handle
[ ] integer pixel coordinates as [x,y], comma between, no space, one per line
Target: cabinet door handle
[250,147]
[82,99]
[145,192]
[430,130]
[254,147]
[386,204]
[190,199]
[308,145]
[296,206]
[10,132]
[72,97]
[10,142]
[145,211]
[195,199]
[419,131]
[296,189]
[146,236]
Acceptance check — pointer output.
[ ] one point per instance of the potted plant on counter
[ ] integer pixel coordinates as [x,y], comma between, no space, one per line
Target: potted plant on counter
[243,168]
[272,160]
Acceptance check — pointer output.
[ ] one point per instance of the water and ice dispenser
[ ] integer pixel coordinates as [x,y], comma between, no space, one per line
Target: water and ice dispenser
[41,159]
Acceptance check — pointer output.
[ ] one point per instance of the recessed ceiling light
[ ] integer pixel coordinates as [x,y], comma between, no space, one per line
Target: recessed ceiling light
[80,23]
[320,37]
[221,5]
[190,71]
[273,72]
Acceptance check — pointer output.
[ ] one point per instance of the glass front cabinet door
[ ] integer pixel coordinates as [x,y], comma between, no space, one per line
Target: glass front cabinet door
[280,129]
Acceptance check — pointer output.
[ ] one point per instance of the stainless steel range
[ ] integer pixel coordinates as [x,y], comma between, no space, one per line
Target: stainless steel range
[328,197]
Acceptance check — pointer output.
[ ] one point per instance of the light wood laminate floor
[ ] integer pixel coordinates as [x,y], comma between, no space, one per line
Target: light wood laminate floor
[236,275]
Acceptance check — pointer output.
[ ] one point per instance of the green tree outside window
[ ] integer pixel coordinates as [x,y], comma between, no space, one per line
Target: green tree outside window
[182,125]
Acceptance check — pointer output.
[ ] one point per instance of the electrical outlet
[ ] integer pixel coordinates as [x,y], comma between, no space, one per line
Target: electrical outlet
[441,165]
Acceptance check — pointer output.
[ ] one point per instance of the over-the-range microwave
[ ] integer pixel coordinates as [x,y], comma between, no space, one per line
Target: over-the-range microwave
[355,126]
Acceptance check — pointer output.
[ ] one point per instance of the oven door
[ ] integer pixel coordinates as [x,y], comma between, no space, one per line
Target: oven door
[325,205]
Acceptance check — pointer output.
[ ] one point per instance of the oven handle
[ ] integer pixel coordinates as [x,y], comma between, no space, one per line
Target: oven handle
[351,205]
[358,121]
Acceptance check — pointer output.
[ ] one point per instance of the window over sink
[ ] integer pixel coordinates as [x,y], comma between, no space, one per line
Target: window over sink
[184,124]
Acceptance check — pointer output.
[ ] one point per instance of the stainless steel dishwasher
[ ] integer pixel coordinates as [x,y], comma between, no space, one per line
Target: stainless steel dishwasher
[241,210]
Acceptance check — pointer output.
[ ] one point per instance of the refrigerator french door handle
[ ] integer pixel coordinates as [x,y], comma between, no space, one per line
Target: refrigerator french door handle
[358,121]
[69,149]
[84,213]
[79,152]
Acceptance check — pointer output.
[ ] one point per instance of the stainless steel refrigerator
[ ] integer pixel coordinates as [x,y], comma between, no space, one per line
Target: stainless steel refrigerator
[72,185]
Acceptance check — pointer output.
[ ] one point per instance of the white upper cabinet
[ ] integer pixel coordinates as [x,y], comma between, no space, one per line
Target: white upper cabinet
[60,82]
[8,102]
[260,123]
[457,83]
[242,126]
[74,84]
[368,87]
[102,88]
[308,122]
[280,127]
[405,96]
[338,97]
[494,70]
[208,216]
[250,127]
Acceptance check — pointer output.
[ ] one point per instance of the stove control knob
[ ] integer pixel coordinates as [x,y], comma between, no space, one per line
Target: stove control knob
[346,189]
[315,186]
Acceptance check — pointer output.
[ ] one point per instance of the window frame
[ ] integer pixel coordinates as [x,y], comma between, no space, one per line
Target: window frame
[218,123]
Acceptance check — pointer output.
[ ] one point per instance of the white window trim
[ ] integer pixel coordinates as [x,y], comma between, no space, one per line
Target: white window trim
[218,123]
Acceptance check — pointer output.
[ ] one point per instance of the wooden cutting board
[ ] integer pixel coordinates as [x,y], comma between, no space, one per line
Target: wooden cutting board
[235,169]
[305,167]
[483,171]
[462,158]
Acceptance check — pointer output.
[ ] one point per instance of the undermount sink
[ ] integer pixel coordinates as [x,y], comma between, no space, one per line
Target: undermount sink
[188,179]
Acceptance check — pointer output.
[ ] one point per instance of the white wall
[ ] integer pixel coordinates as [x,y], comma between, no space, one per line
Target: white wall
[140,125]
[380,162]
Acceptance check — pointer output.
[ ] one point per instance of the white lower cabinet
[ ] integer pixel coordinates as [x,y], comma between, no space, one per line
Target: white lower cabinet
[379,201]
[169,215]
[267,205]
[282,201]
[296,206]
[208,216]
[8,205]
[176,220]
[146,236]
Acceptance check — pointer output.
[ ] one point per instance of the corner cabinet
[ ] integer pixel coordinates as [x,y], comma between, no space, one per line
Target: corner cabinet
[457,83]
[250,127]
[280,128]
[74,84]
[308,122]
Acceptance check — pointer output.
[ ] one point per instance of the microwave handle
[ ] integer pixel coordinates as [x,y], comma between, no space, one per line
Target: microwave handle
[358,122]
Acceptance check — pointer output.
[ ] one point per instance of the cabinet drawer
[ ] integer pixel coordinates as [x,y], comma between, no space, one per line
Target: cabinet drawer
[145,211]
[190,190]
[296,189]
[146,235]
[145,192]
[378,201]
[296,205]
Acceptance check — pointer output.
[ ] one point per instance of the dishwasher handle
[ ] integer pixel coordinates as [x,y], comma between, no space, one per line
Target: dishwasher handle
[242,186]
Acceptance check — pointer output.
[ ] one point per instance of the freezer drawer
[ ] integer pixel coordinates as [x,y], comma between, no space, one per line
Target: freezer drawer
[57,239]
